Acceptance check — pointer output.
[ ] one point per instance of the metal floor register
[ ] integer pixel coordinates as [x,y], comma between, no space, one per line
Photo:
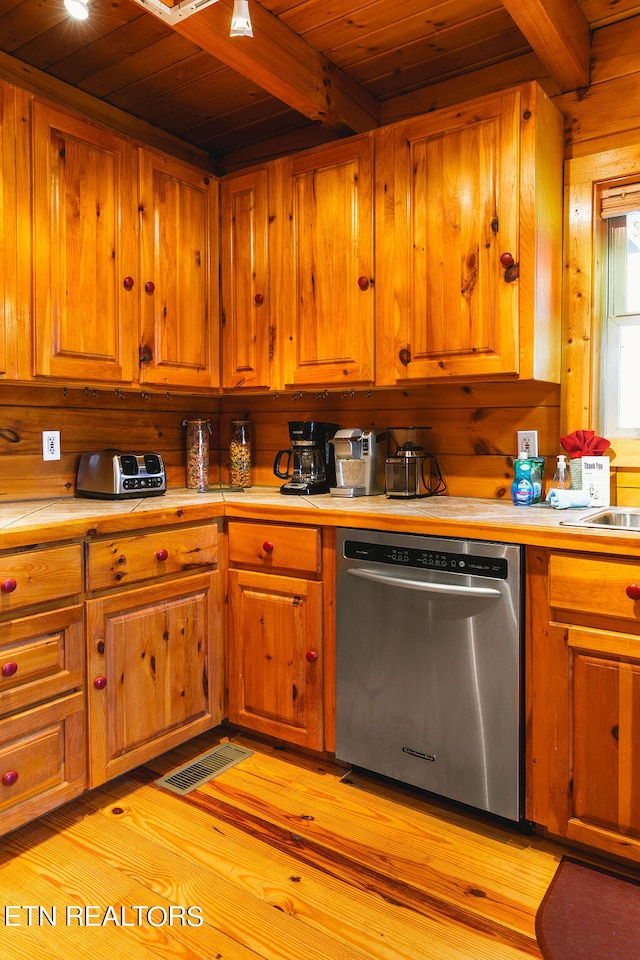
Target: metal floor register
[211,764]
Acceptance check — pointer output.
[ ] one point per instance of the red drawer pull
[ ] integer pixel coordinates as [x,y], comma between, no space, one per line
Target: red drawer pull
[633,591]
[162,555]
[258,299]
[8,669]
[8,585]
[267,546]
[311,656]
[127,283]
[10,777]
[149,286]
[100,683]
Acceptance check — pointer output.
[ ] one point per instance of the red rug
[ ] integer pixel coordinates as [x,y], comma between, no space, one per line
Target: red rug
[589,914]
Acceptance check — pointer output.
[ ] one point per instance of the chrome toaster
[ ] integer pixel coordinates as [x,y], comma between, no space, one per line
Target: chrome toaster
[115,475]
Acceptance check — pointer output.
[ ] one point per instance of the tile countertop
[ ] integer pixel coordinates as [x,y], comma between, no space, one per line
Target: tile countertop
[43,521]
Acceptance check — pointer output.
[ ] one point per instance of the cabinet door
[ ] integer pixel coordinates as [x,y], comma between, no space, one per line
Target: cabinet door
[448,194]
[42,759]
[85,246]
[606,730]
[248,340]
[179,274]
[329,337]
[154,660]
[8,237]
[275,656]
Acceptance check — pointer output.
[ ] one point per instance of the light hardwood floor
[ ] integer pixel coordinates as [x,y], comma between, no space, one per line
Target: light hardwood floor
[282,857]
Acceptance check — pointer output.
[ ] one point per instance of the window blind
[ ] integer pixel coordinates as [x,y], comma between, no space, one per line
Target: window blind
[618,201]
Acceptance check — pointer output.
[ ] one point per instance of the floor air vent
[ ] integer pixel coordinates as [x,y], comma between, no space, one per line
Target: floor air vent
[203,768]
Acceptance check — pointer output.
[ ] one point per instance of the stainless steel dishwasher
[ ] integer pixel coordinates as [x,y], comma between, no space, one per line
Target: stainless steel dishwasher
[429,668]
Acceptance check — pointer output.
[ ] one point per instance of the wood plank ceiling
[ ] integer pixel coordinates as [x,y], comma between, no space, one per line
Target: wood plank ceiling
[314,70]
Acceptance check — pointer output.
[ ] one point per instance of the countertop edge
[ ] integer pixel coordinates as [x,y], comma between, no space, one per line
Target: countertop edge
[45,522]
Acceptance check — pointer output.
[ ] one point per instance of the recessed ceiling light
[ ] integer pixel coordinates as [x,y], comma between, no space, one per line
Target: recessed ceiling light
[78,8]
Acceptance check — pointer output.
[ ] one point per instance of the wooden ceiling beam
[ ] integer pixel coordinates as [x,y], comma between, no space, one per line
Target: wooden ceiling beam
[559,36]
[283,64]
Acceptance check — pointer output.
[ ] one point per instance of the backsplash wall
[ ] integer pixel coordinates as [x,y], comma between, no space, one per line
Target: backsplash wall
[473,426]
[91,419]
[473,429]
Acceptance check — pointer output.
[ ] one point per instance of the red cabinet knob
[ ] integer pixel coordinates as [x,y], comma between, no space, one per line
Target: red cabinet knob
[506,259]
[149,286]
[9,778]
[8,669]
[100,683]
[633,591]
[267,546]
[162,555]
[8,585]
[311,656]
[363,283]
[258,299]
[127,283]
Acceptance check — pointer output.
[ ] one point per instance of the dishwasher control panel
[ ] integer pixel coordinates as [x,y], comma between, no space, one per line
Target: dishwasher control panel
[469,564]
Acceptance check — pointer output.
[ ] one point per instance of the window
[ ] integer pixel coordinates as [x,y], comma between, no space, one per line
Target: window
[620,394]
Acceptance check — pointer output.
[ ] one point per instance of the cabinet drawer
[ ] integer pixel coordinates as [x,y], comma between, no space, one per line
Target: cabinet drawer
[113,563]
[595,585]
[41,657]
[36,576]
[43,753]
[273,547]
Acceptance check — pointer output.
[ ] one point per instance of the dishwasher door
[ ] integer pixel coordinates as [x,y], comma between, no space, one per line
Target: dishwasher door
[429,671]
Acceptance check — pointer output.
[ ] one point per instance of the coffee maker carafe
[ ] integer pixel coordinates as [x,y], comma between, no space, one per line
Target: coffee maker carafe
[309,466]
[410,472]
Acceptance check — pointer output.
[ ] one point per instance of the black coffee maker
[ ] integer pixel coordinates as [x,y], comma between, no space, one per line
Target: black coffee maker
[310,465]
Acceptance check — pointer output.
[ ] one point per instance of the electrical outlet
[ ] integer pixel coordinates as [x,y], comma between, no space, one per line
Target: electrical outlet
[50,444]
[528,440]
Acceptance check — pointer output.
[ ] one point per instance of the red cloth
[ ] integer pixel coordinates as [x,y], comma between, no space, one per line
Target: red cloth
[584,443]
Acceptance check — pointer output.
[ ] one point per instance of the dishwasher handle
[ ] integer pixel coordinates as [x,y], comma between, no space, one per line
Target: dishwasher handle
[443,589]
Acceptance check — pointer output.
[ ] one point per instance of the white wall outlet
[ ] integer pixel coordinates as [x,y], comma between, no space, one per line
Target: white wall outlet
[50,444]
[528,440]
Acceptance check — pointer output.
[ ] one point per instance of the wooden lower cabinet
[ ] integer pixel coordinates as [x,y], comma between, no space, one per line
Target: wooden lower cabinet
[42,714]
[584,681]
[275,656]
[275,635]
[154,671]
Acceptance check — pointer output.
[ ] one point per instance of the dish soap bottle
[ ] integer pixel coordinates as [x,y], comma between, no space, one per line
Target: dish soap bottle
[522,491]
[562,477]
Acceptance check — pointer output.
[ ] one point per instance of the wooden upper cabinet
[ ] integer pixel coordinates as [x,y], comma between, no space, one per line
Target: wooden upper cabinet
[468,227]
[178,274]
[8,237]
[248,337]
[84,246]
[328,320]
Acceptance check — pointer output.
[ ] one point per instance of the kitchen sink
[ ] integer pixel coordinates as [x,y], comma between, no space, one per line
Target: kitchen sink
[613,518]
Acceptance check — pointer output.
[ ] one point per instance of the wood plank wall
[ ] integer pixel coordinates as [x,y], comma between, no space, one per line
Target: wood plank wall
[91,419]
[473,426]
[473,429]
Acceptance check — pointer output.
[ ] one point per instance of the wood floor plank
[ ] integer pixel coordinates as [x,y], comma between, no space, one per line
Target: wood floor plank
[50,870]
[289,857]
[254,923]
[360,917]
[401,836]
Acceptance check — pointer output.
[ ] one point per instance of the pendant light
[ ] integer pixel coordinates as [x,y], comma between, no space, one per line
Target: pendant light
[241,20]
